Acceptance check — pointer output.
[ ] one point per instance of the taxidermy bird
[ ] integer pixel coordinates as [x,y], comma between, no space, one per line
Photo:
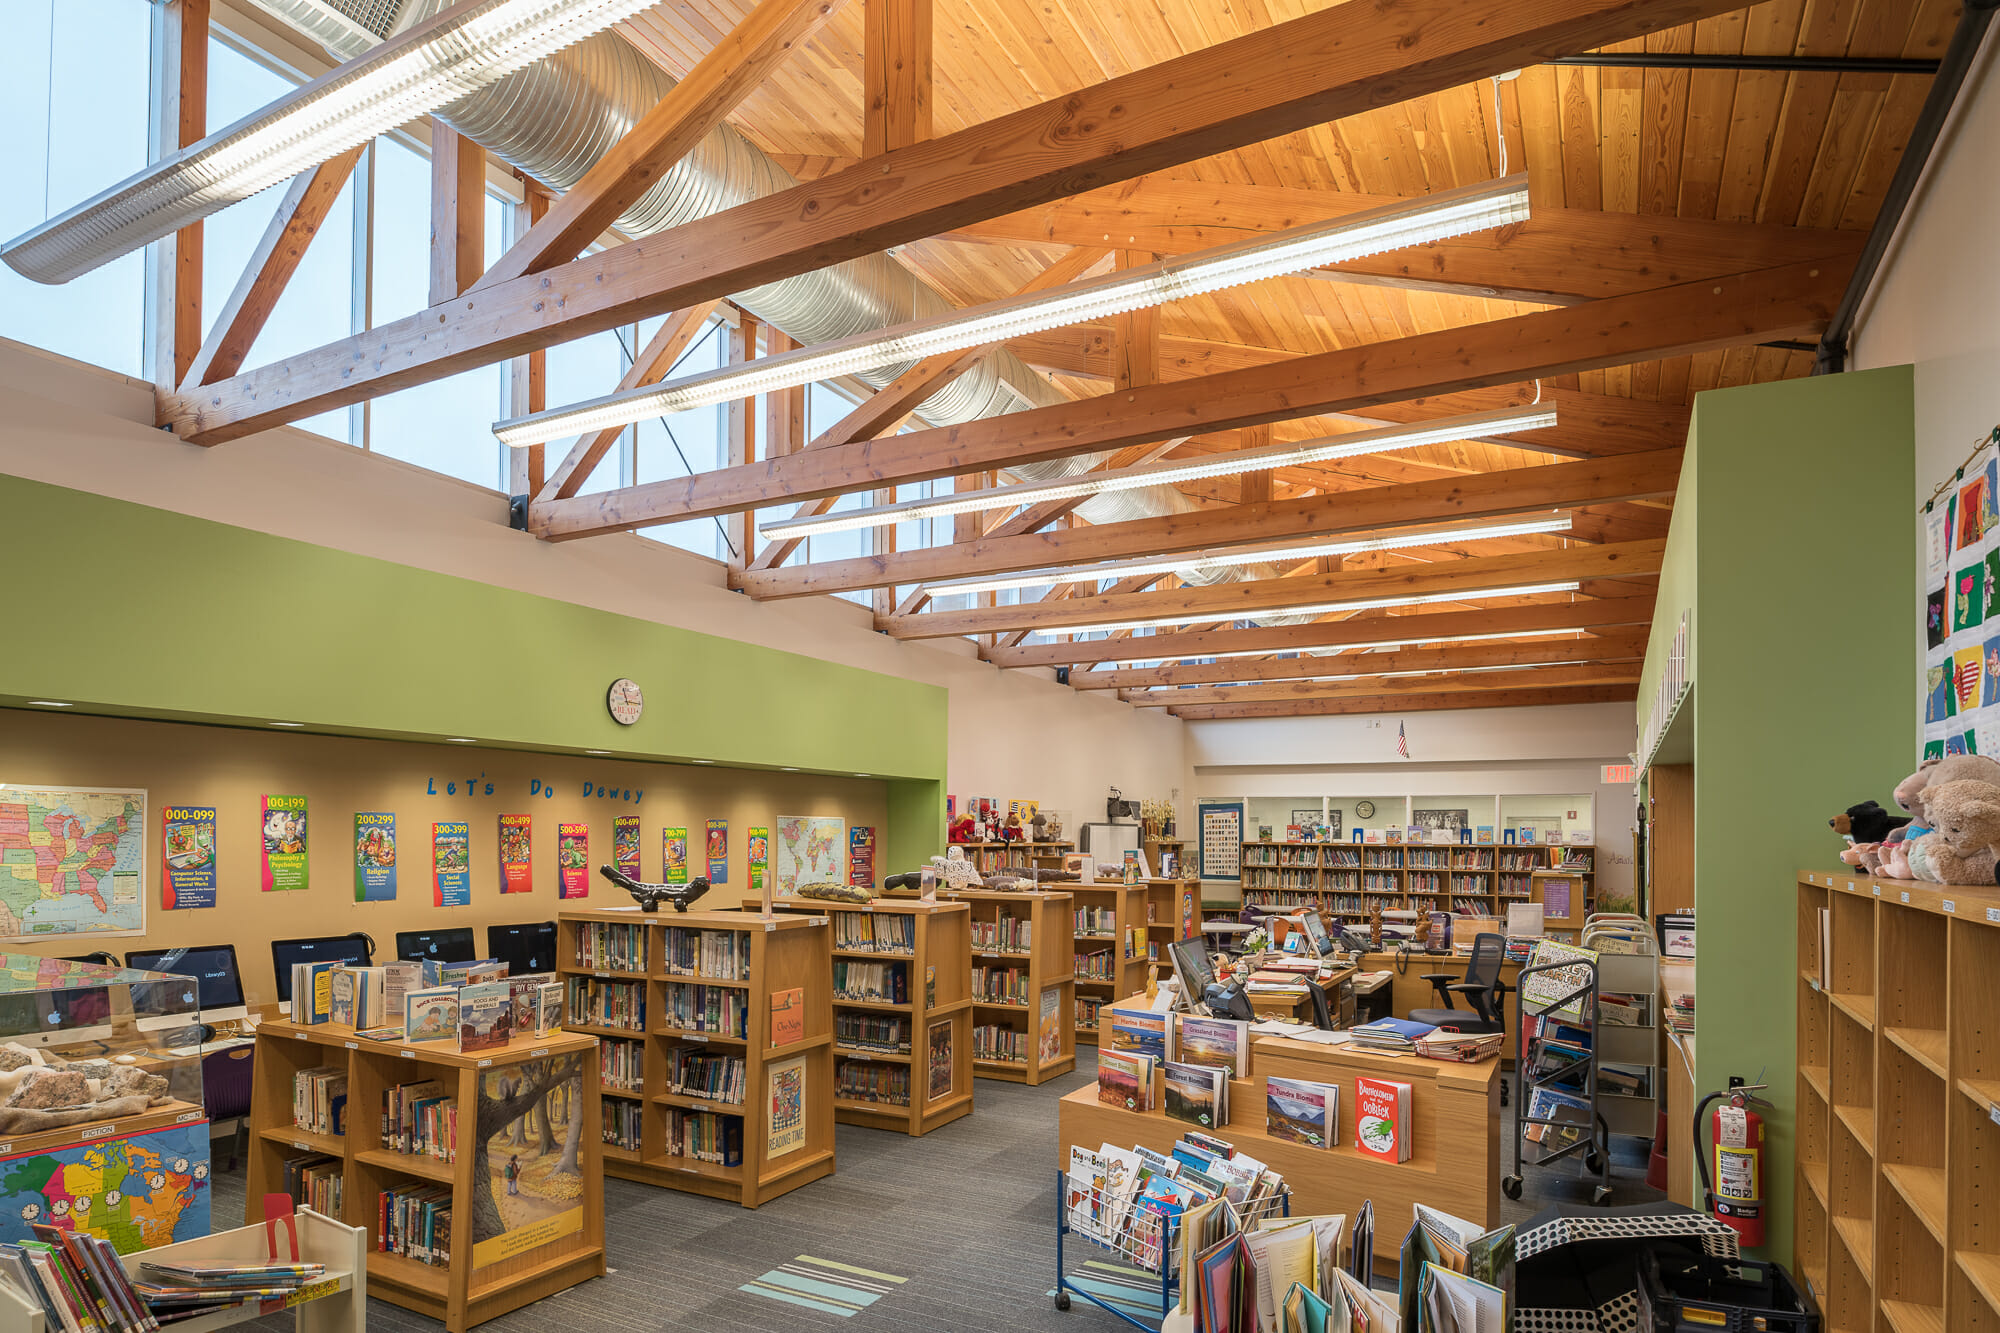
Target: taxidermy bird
[650,896]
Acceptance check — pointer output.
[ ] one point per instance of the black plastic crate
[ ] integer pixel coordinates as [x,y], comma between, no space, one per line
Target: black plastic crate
[1709,1295]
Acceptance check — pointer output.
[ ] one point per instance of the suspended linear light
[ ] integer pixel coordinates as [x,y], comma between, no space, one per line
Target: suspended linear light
[1167,691]
[1314,654]
[1433,218]
[1321,608]
[1203,561]
[462,50]
[1507,420]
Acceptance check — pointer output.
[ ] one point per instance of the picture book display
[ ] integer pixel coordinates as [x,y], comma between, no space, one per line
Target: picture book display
[786,1128]
[1197,1094]
[1382,1118]
[430,1015]
[1563,992]
[187,856]
[1222,1042]
[1125,1080]
[1299,1111]
[788,1016]
[1049,1025]
[374,857]
[485,1013]
[941,1065]
[1139,1031]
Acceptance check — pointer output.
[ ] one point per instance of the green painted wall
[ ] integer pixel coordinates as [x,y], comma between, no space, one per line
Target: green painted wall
[1676,590]
[158,614]
[1800,518]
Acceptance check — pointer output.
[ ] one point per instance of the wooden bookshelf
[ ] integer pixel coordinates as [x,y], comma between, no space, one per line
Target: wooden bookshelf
[1896,1195]
[790,952]
[1048,962]
[940,991]
[992,858]
[1352,878]
[466,1293]
[1109,960]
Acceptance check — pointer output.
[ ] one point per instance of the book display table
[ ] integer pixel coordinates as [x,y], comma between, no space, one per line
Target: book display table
[516,1216]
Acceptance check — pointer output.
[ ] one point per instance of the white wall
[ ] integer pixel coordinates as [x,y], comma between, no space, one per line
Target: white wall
[1475,754]
[1012,734]
[1935,303]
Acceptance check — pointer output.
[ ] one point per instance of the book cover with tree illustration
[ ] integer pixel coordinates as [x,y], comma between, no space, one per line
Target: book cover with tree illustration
[529,1132]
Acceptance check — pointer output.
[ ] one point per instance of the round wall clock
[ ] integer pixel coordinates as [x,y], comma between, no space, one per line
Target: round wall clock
[1364,809]
[625,702]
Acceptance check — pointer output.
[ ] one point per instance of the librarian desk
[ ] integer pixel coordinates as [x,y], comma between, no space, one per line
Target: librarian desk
[1409,990]
[1454,1160]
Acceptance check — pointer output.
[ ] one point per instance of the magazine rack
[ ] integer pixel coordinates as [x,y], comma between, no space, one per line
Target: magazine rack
[1145,1246]
[337,1303]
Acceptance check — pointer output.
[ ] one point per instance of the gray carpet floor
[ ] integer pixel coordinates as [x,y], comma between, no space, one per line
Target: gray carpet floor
[965,1213]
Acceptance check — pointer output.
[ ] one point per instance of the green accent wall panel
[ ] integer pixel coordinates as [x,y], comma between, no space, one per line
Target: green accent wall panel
[127,609]
[1793,524]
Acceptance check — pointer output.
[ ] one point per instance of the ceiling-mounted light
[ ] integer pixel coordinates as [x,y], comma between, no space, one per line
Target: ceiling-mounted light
[48,703]
[288,724]
[1434,218]
[1503,421]
[1320,608]
[1314,654]
[462,50]
[1168,691]
[1202,561]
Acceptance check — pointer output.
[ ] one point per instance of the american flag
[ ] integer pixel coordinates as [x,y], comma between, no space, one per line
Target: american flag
[1402,742]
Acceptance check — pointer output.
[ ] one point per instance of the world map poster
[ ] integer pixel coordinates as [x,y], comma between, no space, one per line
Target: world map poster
[72,862]
[811,850]
[139,1192]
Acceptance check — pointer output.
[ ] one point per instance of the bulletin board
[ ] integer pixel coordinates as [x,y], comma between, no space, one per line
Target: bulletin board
[1961,613]
[232,769]
[1219,840]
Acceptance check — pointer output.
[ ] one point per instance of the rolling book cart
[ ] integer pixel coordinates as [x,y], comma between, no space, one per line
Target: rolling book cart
[1576,997]
[1135,1238]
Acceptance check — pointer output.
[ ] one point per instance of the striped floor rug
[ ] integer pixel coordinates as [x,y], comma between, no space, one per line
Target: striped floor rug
[823,1285]
[1130,1291]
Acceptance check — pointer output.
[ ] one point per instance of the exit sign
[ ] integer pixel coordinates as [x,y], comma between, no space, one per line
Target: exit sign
[1617,775]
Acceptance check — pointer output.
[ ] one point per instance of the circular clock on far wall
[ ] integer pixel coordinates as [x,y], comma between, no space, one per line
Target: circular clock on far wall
[625,702]
[1364,809]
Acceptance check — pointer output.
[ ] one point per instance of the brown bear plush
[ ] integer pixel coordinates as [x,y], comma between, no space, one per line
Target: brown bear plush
[1910,792]
[1960,848]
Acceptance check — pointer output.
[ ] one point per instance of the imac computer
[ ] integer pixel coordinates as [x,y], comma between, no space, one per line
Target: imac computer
[526,949]
[452,945]
[352,949]
[219,984]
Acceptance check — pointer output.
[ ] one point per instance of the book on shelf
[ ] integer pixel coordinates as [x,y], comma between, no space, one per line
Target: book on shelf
[485,1016]
[788,1016]
[1301,1111]
[414,1221]
[1382,1118]
[474,973]
[312,992]
[319,1099]
[431,1015]
[1197,1094]
[1125,1080]
[1222,1042]
[419,1119]
[1565,989]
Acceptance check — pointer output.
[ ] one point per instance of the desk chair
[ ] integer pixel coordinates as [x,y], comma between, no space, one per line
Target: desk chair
[225,1092]
[1482,988]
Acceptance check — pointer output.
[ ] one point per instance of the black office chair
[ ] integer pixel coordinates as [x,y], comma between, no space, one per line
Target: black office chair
[1482,988]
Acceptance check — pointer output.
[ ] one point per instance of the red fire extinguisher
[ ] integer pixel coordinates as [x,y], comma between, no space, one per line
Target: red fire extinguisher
[1733,1188]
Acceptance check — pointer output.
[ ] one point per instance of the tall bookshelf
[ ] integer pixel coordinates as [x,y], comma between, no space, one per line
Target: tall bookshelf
[465,1292]
[1352,879]
[630,981]
[932,942]
[1110,948]
[1023,987]
[1896,1199]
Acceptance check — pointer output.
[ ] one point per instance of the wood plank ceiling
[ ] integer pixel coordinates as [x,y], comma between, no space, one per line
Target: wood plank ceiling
[1795,149]
[1696,221]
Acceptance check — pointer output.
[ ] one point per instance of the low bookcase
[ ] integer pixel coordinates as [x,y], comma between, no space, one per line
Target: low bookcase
[931,943]
[1032,1038]
[673,996]
[487,1277]
[1145,918]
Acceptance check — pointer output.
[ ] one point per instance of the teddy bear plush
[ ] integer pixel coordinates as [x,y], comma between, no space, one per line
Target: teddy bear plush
[1960,848]
[1910,792]
[1867,822]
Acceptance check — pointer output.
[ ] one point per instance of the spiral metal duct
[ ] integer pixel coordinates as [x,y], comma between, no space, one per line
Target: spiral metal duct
[554,120]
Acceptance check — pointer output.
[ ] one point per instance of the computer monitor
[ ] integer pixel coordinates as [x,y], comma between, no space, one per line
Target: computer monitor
[453,945]
[219,985]
[1315,932]
[1193,969]
[526,949]
[353,949]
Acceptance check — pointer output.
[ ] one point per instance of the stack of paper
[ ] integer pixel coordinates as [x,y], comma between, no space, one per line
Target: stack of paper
[1397,1036]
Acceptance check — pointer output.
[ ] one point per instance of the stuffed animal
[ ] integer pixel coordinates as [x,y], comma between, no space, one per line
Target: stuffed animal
[1865,857]
[1866,822]
[1910,792]
[1960,848]
[963,829]
[1012,831]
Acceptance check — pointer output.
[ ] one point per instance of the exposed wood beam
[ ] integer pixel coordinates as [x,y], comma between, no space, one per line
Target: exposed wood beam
[1232,601]
[885,411]
[528,376]
[1475,495]
[271,264]
[1135,583]
[1558,255]
[177,259]
[1138,359]
[654,363]
[895,75]
[1292,75]
[663,136]
[458,213]
[1361,628]
[1624,644]
[1473,682]
[1616,331]
[739,429]
[1417,703]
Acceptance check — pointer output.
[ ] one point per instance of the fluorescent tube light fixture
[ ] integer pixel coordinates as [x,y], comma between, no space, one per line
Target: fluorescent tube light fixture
[434,64]
[1316,654]
[1298,453]
[1203,561]
[1433,218]
[1321,608]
